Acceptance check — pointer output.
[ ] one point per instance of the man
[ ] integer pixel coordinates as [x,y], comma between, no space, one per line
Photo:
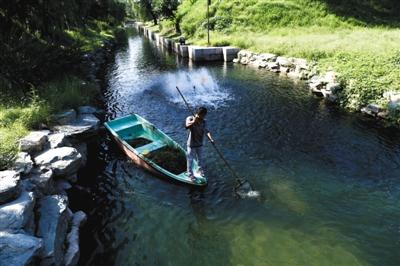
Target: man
[197,128]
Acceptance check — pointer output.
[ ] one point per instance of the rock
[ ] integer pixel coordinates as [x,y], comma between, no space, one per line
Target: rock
[18,249]
[383,114]
[58,140]
[72,178]
[72,255]
[371,109]
[333,87]
[62,184]
[23,163]
[300,63]
[268,57]
[272,66]
[82,149]
[331,77]
[63,161]
[244,53]
[65,117]
[85,125]
[394,99]
[283,61]
[34,142]
[262,64]
[284,70]
[244,61]
[43,182]
[236,60]
[87,110]
[293,74]
[329,95]
[18,214]
[52,227]
[9,185]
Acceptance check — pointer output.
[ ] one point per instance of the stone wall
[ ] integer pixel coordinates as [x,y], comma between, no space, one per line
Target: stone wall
[36,224]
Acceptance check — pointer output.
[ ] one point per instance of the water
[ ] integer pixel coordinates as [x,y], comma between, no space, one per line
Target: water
[329,180]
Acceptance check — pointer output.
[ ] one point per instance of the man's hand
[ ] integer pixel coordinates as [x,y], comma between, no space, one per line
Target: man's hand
[190,121]
[210,137]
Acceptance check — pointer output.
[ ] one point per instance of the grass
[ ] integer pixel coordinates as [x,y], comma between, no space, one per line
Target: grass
[92,37]
[17,118]
[20,113]
[358,39]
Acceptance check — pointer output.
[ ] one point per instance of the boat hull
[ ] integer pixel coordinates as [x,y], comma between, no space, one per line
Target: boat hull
[133,127]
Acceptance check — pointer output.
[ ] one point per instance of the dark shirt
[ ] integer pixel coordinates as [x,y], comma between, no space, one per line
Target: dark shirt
[196,132]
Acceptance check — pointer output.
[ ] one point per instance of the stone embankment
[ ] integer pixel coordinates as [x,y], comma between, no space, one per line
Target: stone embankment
[323,85]
[36,224]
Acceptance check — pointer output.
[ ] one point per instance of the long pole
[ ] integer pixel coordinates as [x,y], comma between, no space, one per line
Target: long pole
[208,22]
[213,144]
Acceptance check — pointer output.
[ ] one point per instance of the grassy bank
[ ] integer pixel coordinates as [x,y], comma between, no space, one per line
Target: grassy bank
[18,117]
[358,39]
[24,111]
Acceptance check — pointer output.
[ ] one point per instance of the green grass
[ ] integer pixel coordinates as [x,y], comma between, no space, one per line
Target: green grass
[358,39]
[91,37]
[17,118]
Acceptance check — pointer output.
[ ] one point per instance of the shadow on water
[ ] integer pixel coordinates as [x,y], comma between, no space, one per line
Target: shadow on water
[329,179]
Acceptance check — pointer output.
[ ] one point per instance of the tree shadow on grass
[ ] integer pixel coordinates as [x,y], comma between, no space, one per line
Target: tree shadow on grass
[367,12]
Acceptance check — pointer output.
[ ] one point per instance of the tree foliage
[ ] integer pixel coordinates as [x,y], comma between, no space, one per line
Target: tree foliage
[34,40]
[155,9]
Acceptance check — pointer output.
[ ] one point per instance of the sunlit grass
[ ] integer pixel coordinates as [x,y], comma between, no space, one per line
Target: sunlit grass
[17,118]
[365,51]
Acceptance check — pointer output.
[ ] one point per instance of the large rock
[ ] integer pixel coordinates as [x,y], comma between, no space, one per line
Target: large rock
[23,164]
[9,185]
[34,142]
[283,61]
[85,125]
[268,57]
[300,63]
[63,161]
[65,117]
[18,214]
[42,182]
[72,255]
[18,249]
[371,110]
[58,140]
[52,227]
[394,99]
[87,110]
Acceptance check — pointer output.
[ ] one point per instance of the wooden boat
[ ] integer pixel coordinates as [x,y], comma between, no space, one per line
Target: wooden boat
[141,141]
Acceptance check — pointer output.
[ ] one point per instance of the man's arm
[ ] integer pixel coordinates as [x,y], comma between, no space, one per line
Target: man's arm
[190,120]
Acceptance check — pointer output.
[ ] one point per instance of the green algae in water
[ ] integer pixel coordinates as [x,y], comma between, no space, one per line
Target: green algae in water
[169,158]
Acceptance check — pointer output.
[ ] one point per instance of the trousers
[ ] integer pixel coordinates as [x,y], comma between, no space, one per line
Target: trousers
[192,154]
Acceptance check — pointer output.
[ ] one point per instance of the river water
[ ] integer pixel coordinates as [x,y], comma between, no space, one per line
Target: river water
[329,180]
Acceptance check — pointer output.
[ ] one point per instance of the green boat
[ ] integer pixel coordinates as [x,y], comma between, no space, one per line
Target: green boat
[152,149]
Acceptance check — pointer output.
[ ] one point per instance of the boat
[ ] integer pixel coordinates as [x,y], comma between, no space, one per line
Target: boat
[144,143]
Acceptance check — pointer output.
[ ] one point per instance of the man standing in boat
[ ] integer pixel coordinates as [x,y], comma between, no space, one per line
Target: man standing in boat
[197,128]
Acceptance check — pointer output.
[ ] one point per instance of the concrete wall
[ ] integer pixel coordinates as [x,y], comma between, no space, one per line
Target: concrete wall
[198,53]
[195,53]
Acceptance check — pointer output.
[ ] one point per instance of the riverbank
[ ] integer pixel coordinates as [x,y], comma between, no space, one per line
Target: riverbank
[43,145]
[324,83]
[37,225]
[357,40]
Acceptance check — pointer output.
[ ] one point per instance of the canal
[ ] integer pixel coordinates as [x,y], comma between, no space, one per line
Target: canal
[329,180]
